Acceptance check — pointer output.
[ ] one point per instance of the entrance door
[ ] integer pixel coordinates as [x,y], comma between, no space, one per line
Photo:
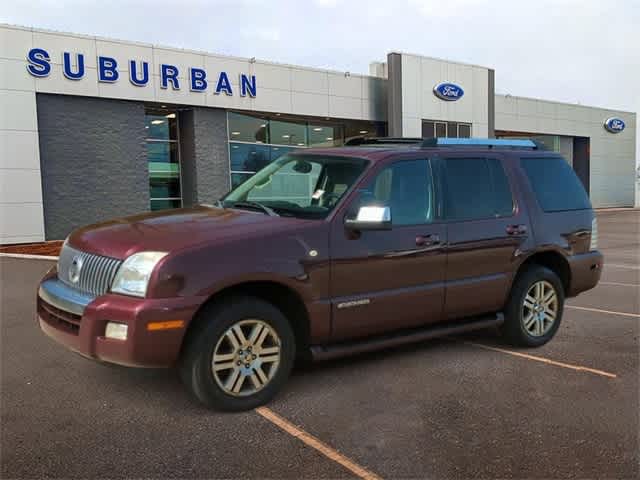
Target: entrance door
[390,279]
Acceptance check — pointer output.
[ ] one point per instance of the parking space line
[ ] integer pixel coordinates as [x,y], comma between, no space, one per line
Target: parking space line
[636,285]
[610,312]
[544,360]
[318,445]
[618,265]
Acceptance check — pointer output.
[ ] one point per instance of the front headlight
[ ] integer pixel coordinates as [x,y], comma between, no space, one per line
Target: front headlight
[133,275]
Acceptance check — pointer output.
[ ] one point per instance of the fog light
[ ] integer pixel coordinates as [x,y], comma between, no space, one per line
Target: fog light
[117,331]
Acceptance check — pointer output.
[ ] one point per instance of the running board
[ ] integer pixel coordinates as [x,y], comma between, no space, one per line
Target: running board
[328,352]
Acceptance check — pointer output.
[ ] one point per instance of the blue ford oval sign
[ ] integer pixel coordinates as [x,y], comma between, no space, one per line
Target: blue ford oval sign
[448,91]
[614,124]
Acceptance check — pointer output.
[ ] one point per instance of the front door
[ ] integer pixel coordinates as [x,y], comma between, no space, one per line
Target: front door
[390,279]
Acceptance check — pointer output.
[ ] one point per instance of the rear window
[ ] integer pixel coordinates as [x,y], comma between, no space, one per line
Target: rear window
[555,184]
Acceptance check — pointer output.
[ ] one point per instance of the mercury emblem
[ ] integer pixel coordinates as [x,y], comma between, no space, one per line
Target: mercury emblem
[74,269]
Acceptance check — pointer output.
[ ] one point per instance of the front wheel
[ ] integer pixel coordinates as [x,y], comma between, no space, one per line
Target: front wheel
[240,356]
[534,309]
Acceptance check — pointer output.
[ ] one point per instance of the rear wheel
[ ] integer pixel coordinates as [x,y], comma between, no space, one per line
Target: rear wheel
[535,307]
[240,356]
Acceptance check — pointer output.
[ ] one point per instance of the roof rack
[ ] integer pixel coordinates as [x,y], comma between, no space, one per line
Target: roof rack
[373,141]
[481,142]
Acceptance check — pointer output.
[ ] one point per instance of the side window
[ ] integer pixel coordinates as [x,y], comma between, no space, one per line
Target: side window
[555,184]
[407,188]
[476,188]
[501,189]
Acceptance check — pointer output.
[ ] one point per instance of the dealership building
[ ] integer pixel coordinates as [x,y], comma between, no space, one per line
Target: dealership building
[93,128]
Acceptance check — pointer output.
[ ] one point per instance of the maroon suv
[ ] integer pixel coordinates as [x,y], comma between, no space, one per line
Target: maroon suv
[330,252]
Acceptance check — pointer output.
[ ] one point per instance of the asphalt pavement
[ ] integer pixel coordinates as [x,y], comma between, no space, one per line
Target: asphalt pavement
[463,407]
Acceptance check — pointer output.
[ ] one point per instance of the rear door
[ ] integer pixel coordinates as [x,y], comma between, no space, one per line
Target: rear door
[485,229]
[390,279]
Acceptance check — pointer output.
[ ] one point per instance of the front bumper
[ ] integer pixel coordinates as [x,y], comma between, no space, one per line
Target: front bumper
[79,321]
[586,270]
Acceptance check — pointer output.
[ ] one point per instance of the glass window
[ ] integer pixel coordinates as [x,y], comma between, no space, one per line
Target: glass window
[245,128]
[325,135]
[501,188]
[555,184]
[308,186]
[161,126]
[468,191]
[249,157]
[427,129]
[406,187]
[163,159]
[165,204]
[238,178]
[288,133]
[277,152]
[441,130]
[464,130]
[452,130]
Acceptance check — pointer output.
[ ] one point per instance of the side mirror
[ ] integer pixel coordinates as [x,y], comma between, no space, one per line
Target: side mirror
[370,218]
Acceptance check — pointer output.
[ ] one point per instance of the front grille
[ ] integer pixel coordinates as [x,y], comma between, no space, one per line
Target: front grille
[61,319]
[96,273]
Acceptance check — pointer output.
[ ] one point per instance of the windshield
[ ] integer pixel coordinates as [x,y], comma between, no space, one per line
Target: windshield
[299,185]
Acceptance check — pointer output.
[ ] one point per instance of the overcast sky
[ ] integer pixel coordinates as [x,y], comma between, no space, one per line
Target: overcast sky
[582,51]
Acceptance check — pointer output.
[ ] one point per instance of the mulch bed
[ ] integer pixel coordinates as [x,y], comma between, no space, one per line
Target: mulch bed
[43,248]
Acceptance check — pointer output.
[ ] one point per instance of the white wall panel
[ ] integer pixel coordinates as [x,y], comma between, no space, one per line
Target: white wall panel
[19,149]
[56,44]
[21,223]
[14,76]
[18,110]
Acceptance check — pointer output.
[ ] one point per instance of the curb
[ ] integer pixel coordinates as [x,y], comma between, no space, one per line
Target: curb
[27,256]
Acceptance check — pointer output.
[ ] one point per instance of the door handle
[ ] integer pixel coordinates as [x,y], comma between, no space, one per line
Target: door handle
[427,240]
[516,229]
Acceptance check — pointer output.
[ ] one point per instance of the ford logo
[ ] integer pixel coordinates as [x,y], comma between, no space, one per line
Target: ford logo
[448,91]
[74,269]
[614,125]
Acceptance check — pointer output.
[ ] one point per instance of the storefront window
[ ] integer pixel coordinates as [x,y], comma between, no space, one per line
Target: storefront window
[163,159]
[257,140]
[435,129]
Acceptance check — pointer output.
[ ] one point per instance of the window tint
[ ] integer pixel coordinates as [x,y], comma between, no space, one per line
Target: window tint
[476,188]
[555,184]
[406,187]
[503,200]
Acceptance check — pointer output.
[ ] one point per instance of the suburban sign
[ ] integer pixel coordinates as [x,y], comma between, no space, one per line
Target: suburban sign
[109,71]
[448,91]
[614,124]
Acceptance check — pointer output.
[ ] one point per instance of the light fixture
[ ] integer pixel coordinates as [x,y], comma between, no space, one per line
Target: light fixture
[329,138]
[301,144]
[263,125]
[235,133]
[163,106]
[235,146]
[286,136]
[317,129]
[364,131]
[146,126]
[171,115]
[157,122]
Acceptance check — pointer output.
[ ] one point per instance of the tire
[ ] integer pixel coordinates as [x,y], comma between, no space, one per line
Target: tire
[223,337]
[527,325]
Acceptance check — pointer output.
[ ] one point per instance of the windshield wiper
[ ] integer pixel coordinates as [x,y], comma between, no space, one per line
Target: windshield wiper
[259,206]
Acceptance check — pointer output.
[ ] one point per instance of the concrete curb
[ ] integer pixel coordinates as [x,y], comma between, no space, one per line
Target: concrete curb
[27,256]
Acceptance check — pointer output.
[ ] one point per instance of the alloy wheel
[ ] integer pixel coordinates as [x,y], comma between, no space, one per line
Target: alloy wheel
[246,357]
[540,308]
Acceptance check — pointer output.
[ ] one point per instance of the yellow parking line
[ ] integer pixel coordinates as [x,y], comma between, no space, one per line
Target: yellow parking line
[544,360]
[313,442]
[610,312]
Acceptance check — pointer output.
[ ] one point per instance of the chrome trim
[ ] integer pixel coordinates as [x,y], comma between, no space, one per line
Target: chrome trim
[63,297]
[95,273]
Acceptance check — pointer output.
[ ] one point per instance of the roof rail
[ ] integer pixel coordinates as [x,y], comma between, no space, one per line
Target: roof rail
[481,142]
[373,141]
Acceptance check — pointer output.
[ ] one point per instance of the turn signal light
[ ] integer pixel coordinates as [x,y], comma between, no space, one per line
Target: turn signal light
[168,325]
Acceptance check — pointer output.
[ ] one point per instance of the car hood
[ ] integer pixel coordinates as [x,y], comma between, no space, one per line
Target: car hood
[173,230]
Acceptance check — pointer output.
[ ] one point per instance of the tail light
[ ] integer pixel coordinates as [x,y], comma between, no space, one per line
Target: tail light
[594,234]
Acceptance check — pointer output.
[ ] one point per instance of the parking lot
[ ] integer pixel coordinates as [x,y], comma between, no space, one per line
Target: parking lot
[462,407]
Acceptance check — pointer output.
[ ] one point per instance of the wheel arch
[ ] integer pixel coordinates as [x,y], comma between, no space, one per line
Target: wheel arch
[554,261]
[282,296]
